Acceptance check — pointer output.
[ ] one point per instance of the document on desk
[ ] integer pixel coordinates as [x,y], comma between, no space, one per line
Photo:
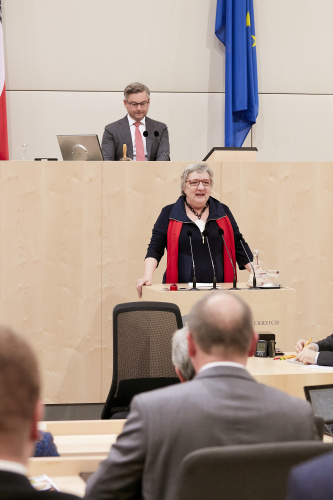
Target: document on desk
[311,367]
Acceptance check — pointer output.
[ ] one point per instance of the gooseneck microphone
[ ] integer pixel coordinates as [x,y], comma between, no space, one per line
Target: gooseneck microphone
[205,234]
[234,287]
[189,234]
[239,237]
[156,135]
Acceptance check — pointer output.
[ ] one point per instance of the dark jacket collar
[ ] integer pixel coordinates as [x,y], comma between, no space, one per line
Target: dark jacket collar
[216,210]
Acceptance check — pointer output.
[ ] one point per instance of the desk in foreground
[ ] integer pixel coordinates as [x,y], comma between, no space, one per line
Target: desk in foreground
[82,446]
[273,309]
[288,376]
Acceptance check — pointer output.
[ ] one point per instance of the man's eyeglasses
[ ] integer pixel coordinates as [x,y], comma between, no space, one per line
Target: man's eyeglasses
[135,105]
[196,182]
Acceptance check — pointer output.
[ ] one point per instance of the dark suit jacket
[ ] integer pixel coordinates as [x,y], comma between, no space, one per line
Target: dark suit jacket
[118,133]
[312,480]
[220,406]
[325,357]
[17,487]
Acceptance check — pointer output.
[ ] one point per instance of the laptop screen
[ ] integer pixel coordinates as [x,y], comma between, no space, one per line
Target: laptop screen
[321,399]
[80,147]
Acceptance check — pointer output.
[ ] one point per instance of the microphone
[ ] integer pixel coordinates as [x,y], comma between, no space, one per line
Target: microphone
[239,237]
[205,233]
[234,287]
[189,234]
[156,135]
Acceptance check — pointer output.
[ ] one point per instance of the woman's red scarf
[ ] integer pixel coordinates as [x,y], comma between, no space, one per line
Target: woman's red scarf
[174,229]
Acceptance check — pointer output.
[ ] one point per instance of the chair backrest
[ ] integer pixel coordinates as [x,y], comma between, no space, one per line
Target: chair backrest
[243,472]
[142,333]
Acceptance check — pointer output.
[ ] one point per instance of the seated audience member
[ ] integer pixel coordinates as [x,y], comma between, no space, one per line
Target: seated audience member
[316,353]
[222,405]
[146,139]
[180,357]
[312,480]
[20,410]
[45,446]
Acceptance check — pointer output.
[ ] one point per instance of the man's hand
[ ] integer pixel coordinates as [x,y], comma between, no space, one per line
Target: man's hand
[301,343]
[307,356]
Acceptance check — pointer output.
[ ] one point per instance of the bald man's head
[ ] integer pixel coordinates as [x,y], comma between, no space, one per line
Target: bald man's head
[221,322]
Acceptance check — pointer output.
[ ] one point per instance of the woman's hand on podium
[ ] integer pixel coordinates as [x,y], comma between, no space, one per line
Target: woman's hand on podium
[140,283]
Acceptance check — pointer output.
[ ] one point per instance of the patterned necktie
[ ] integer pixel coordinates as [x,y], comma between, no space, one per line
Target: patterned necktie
[140,150]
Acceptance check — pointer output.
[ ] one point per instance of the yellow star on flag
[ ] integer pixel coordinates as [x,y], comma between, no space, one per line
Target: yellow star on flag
[248,23]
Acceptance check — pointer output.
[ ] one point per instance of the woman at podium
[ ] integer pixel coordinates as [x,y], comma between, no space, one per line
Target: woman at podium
[198,233]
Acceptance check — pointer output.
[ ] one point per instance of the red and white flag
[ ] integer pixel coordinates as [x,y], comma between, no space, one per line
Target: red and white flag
[3,111]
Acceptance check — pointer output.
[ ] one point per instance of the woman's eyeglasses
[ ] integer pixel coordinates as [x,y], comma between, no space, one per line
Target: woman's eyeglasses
[196,182]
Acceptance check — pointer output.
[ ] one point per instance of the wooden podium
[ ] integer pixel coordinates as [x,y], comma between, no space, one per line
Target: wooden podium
[273,309]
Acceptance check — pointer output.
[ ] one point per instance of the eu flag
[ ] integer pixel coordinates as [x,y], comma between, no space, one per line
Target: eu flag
[234,27]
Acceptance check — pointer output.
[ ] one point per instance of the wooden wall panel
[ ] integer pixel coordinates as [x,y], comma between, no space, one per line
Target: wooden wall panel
[50,268]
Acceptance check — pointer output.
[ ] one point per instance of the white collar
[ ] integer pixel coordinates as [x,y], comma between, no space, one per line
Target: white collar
[213,364]
[131,121]
[16,467]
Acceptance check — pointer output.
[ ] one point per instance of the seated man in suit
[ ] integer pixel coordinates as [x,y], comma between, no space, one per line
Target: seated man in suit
[222,405]
[312,480]
[20,410]
[180,358]
[316,353]
[146,139]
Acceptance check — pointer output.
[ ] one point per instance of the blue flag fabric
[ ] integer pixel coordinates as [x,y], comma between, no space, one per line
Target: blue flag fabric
[234,27]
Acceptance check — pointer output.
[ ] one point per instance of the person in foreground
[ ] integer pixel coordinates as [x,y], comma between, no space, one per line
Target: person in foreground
[20,410]
[312,480]
[196,220]
[222,405]
[316,353]
[180,358]
[146,139]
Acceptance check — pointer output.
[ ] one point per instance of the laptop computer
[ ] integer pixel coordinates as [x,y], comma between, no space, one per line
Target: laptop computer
[321,399]
[80,147]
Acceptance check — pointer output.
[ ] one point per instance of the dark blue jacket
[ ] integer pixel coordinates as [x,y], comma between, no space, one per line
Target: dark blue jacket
[203,264]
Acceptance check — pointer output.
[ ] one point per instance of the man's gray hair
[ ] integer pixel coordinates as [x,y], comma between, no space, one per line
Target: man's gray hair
[180,357]
[135,88]
[195,167]
[222,320]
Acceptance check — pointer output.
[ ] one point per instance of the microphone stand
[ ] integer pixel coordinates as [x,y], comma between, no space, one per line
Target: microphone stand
[194,282]
[234,283]
[254,284]
[205,233]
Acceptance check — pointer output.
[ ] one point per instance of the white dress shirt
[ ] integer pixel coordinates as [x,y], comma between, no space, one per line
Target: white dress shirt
[16,467]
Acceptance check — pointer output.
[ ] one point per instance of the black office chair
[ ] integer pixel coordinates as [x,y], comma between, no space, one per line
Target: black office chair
[243,472]
[142,333]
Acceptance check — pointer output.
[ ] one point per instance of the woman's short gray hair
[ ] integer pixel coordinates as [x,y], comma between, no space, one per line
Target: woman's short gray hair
[195,167]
